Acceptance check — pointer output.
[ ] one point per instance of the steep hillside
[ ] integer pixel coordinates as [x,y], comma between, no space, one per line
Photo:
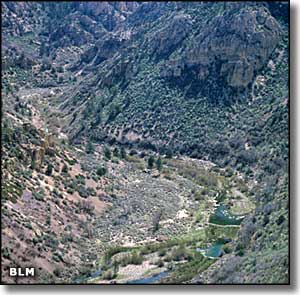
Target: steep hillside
[182,104]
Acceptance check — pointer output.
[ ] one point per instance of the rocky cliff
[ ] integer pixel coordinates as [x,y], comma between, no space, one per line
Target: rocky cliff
[234,46]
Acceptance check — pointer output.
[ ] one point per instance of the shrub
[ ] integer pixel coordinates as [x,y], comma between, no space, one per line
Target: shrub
[89,148]
[162,252]
[70,190]
[136,259]
[64,169]
[160,263]
[132,152]
[101,171]
[83,192]
[49,170]
[159,164]
[57,272]
[169,153]
[133,258]
[227,249]
[91,191]
[240,249]
[198,195]
[179,253]
[107,153]
[156,219]
[150,162]
[116,152]
[247,157]
[123,153]
[5,253]
[109,275]
[39,195]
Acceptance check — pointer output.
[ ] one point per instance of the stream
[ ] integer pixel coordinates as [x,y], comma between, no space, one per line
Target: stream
[150,280]
[90,276]
[221,216]
[213,251]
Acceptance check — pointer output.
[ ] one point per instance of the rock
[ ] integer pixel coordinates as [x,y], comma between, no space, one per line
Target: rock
[155,174]
[48,141]
[162,238]
[166,39]
[110,13]
[38,156]
[233,46]
[37,232]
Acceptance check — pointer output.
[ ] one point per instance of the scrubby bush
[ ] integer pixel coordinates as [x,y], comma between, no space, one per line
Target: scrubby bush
[49,170]
[107,153]
[179,253]
[160,263]
[116,152]
[83,192]
[159,164]
[101,171]
[151,162]
[64,169]
[134,258]
[89,148]
[123,153]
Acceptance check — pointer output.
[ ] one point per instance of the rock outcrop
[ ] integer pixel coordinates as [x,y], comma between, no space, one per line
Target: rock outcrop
[170,36]
[38,155]
[234,46]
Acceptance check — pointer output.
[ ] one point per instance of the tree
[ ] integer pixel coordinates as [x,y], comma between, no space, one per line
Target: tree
[60,69]
[49,170]
[158,164]
[169,153]
[156,219]
[64,169]
[107,153]
[33,165]
[42,50]
[113,113]
[132,152]
[123,153]
[116,152]
[101,171]
[89,148]
[150,162]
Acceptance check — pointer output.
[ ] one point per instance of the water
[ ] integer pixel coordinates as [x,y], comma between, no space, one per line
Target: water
[93,275]
[151,280]
[213,251]
[221,216]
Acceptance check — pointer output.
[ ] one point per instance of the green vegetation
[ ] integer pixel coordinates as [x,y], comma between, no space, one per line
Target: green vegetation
[151,162]
[123,153]
[159,164]
[101,171]
[107,153]
[185,272]
[164,99]
[49,170]
[89,148]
